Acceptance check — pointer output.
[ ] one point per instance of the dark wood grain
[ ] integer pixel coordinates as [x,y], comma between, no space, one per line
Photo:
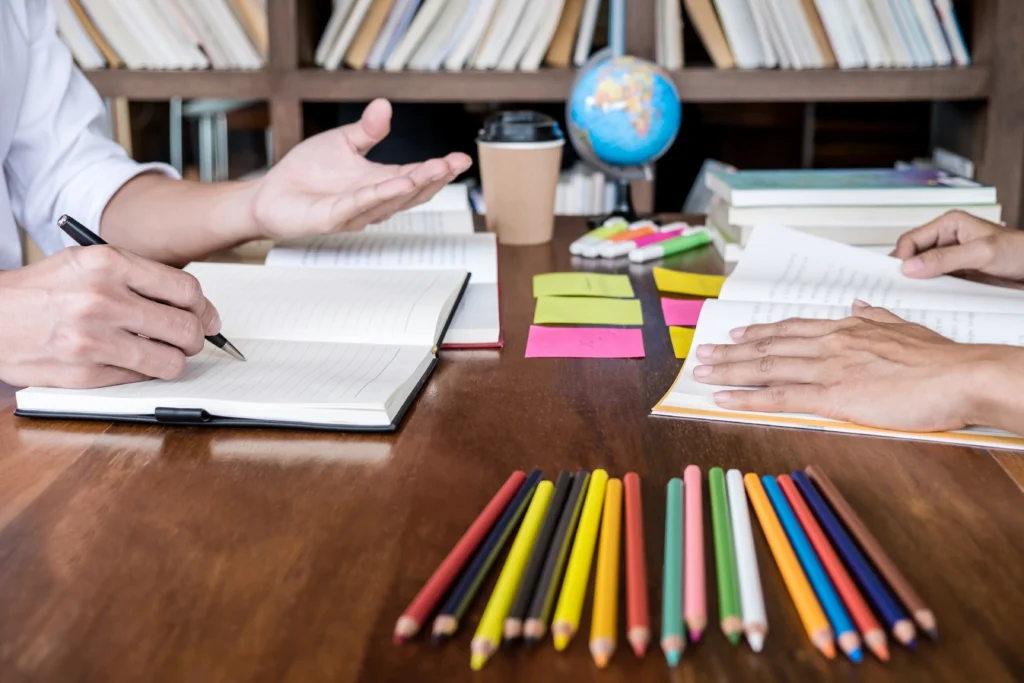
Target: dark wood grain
[133,553]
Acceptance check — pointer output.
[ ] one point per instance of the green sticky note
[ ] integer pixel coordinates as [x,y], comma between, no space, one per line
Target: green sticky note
[582,284]
[571,310]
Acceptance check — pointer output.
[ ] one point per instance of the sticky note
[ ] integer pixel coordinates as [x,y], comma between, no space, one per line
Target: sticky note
[579,310]
[682,338]
[582,284]
[694,284]
[681,311]
[584,342]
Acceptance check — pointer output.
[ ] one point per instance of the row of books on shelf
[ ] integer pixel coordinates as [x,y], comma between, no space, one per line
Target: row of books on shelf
[814,34]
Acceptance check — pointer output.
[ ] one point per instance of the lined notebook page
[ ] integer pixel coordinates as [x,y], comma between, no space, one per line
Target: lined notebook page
[353,306]
[477,253]
[426,223]
[787,266]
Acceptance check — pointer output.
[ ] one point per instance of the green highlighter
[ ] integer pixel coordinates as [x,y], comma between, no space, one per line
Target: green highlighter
[676,245]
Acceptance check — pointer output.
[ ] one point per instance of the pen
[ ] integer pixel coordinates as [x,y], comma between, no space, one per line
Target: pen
[87,238]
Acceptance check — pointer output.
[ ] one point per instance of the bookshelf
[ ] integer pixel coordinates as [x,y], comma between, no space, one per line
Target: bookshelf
[981,107]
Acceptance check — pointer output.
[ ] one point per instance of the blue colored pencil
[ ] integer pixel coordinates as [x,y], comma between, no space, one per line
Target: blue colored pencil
[877,592]
[842,625]
[457,604]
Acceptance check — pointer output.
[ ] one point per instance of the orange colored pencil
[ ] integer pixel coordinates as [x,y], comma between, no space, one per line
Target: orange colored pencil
[638,617]
[874,635]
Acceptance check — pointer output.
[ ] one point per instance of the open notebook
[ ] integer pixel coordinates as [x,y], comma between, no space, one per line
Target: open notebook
[784,273]
[440,238]
[330,349]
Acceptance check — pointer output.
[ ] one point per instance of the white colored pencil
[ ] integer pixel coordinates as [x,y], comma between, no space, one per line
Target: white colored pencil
[755,619]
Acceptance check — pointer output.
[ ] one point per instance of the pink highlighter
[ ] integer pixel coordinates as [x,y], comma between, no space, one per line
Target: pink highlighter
[616,249]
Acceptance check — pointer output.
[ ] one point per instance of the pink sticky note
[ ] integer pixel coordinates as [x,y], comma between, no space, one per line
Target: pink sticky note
[681,312]
[584,342]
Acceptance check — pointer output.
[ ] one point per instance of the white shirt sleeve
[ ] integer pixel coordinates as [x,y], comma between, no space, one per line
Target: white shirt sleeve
[60,160]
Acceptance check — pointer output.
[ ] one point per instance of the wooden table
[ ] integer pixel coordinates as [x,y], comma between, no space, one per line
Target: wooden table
[206,555]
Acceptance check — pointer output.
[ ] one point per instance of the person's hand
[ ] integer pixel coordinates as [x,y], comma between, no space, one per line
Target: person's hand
[872,368]
[958,241]
[90,317]
[325,184]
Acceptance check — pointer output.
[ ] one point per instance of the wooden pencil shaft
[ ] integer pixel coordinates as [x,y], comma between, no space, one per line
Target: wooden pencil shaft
[558,554]
[637,609]
[672,576]
[694,599]
[577,573]
[606,581]
[531,575]
[725,560]
[751,591]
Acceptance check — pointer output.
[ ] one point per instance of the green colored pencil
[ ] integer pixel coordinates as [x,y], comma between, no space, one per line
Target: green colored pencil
[725,559]
[673,639]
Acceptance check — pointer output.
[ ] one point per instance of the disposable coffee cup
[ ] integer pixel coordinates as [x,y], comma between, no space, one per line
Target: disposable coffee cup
[520,157]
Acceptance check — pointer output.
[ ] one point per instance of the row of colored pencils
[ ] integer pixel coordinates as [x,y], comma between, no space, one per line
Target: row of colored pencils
[543,582]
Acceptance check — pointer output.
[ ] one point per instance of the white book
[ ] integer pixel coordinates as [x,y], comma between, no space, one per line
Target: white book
[585,36]
[392,32]
[784,274]
[524,34]
[741,32]
[334,56]
[660,42]
[77,38]
[499,33]
[442,38]
[899,50]
[342,349]
[538,48]
[174,54]
[183,33]
[109,22]
[207,39]
[785,36]
[334,25]
[954,35]
[810,53]
[422,24]
[762,24]
[230,29]
[932,28]
[840,30]
[910,29]
[869,33]
[483,11]
[853,217]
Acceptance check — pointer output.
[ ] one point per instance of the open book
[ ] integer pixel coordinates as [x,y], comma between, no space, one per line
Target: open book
[438,237]
[332,349]
[784,273]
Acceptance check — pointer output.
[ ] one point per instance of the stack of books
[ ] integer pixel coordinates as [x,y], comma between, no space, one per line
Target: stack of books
[815,34]
[868,207]
[165,34]
[431,35]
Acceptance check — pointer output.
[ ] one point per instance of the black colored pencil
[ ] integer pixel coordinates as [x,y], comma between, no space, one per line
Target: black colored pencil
[531,574]
[543,602]
[458,602]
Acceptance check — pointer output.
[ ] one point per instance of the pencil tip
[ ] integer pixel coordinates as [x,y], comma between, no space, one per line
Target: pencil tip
[829,650]
[933,633]
[856,656]
[911,644]
[756,641]
[733,637]
[601,660]
[477,661]
[695,636]
[639,650]
[882,652]
[397,639]
[561,641]
[672,657]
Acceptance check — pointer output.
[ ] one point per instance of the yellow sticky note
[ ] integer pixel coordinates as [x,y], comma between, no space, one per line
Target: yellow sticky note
[682,338]
[572,310]
[582,284]
[693,284]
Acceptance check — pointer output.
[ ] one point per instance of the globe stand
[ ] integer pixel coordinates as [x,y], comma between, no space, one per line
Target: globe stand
[622,206]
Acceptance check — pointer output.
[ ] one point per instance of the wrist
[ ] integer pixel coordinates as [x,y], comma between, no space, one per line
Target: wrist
[991,380]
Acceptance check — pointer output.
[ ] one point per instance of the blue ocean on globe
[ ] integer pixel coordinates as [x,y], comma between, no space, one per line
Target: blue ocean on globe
[625,111]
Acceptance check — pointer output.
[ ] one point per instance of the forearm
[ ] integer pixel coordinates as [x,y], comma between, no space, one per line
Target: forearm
[997,397]
[177,221]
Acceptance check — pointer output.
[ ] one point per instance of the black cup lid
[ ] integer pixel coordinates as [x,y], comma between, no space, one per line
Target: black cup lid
[520,126]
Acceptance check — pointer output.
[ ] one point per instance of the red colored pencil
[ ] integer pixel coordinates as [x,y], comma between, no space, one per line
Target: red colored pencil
[415,615]
[874,634]
[638,617]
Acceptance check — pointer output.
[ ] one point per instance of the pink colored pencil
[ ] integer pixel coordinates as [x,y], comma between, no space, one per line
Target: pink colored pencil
[415,615]
[695,609]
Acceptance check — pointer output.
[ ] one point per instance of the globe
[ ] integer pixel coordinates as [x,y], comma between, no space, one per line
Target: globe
[624,112]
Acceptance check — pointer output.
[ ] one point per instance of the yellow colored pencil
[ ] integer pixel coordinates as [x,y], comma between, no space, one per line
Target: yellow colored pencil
[577,574]
[604,620]
[807,604]
[488,633]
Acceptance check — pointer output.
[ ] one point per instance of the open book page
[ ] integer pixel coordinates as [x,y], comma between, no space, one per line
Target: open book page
[785,266]
[425,223]
[476,319]
[298,381]
[352,306]
[452,198]
[477,253]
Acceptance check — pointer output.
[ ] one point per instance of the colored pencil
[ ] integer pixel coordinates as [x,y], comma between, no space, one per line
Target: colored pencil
[901,627]
[638,616]
[531,575]
[755,619]
[459,600]
[673,636]
[807,605]
[725,559]
[554,564]
[488,633]
[842,626]
[415,615]
[870,629]
[924,617]
[577,573]
[695,610]
[604,619]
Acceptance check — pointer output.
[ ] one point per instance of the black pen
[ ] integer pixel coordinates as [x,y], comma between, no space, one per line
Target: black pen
[87,238]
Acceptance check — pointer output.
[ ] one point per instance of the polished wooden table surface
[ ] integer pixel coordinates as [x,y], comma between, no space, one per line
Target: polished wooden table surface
[152,554]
